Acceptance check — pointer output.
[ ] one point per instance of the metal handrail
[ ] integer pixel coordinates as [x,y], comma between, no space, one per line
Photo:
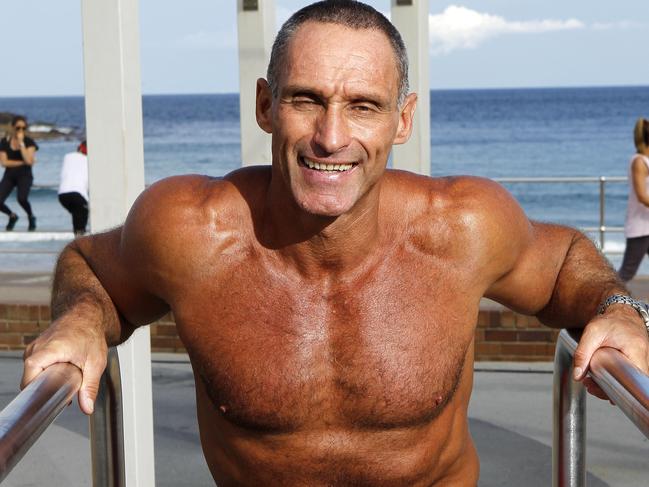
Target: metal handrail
[25,419]
[626,385]
[106,429]
[601,229]
[562,179]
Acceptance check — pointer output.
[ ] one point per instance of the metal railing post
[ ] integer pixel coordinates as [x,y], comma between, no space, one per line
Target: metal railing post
[106,429]
[569,420]
[25,419]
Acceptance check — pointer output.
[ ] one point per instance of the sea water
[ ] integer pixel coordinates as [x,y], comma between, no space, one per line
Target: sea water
[492,133]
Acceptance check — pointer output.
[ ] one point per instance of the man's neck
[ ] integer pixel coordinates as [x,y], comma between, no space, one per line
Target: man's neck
[318,245]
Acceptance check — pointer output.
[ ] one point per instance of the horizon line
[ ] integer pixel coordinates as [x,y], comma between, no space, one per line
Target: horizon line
[438,89]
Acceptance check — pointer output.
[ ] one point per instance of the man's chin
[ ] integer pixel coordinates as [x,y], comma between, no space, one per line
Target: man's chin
[327,209]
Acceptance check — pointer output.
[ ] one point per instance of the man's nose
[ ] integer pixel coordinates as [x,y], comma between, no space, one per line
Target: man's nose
[332,131]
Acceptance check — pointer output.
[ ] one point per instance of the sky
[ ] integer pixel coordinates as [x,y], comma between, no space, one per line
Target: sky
[191,46]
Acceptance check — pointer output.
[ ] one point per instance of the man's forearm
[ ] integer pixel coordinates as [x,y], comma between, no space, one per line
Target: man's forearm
[585,279]
[76,289]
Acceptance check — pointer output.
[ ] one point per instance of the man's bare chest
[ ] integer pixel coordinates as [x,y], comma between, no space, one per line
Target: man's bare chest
[279,354]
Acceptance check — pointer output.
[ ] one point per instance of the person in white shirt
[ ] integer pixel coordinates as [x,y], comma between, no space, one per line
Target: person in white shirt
[73,189]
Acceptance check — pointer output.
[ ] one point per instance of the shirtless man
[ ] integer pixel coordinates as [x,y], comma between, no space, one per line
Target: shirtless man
[329,305]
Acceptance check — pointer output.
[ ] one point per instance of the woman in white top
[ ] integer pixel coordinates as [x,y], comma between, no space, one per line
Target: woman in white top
[636,225]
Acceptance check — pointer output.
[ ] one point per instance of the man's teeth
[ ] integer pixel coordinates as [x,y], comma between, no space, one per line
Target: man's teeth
[326,167]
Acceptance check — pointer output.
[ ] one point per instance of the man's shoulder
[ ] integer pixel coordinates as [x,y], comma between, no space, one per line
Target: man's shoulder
[461,206]
[472,219]
[192,202]
[189,193]
[195,192]
[445,192]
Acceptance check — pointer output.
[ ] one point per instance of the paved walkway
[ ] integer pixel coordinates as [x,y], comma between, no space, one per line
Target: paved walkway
[510,419]
[25,287]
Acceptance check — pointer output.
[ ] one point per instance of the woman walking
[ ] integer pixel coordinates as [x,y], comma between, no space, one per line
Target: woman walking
[636,225]
[17,156]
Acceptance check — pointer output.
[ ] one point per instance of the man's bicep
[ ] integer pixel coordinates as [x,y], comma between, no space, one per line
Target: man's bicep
[527,287]
[124,276]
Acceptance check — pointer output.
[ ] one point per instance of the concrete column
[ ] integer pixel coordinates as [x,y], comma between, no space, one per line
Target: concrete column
[256,24]
[411,18]
[111,49]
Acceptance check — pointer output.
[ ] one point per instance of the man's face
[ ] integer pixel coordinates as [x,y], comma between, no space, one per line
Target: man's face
[336,117]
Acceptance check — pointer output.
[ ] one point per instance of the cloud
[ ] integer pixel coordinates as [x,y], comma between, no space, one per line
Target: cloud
[459,27]
[623,24]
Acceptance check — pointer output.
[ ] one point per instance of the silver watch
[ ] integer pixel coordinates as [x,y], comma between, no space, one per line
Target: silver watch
[639,306]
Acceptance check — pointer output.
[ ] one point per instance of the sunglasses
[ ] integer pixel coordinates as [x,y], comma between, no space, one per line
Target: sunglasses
[20,127]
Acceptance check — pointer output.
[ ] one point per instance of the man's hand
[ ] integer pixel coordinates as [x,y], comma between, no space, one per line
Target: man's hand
[621,328]
[70,338]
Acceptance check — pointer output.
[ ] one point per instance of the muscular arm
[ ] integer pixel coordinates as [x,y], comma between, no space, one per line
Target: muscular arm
[95,272]
[557,274]
[585,279]
[105,285]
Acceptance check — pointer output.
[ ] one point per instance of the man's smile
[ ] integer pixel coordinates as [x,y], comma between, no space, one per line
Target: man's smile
[321,166]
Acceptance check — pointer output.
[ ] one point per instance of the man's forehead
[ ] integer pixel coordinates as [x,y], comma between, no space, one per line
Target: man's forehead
[318,46]
[322,36]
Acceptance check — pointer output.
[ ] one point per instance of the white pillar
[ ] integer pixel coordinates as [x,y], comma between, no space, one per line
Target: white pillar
[256,24]
[111,49]
[411,18]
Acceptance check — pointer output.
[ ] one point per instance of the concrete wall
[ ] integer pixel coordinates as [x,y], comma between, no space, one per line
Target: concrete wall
[501,335]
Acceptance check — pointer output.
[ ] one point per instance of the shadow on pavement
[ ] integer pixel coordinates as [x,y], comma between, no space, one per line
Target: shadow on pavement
[507,458]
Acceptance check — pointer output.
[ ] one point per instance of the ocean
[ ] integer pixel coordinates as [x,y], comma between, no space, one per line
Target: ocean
[495,133]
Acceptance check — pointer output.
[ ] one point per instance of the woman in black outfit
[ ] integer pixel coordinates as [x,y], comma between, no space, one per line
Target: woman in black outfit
[17,156]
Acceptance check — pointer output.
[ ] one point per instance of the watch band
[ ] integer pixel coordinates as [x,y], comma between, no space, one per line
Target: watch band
[639,306]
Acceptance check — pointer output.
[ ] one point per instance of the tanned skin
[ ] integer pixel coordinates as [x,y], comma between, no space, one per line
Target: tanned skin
[329,315]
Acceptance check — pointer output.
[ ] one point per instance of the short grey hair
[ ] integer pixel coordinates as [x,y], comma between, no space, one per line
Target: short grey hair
[349,13]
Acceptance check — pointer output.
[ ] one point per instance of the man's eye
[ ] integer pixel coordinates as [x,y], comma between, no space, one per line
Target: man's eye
[362,108]
[304,101]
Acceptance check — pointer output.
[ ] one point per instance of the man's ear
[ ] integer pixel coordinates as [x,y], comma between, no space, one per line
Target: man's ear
[264,104]
[406,116]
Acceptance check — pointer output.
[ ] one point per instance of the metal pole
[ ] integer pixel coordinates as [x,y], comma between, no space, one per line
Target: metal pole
[106,429]
[25,419]
[625,384]
[569,419]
